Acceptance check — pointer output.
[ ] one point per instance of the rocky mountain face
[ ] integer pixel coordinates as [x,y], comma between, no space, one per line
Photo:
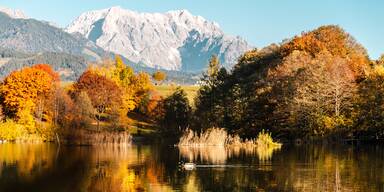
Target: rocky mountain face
[175,40]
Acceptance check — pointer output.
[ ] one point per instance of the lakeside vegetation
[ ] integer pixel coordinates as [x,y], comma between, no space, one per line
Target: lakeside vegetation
[220,137]
[36,107]
[318,85]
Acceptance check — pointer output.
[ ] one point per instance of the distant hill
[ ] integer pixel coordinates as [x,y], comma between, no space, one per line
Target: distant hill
[71,67]
[33,36]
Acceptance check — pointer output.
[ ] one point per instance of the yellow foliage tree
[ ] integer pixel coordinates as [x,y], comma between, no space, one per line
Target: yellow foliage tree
[159,76]
[10,130]
[22,91]
[134,87]
[25,117]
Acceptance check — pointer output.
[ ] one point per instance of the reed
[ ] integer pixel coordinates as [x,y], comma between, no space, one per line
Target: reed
[84,137]
[215,145]
[220,137]
[264,139]
[211,137]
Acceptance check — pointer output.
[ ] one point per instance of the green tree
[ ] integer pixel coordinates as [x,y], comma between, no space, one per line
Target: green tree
[212,102]
[176,113]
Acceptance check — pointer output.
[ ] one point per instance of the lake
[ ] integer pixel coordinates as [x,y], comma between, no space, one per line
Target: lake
[47,167]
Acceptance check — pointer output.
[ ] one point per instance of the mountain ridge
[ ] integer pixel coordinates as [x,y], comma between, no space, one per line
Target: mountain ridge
[158,40]
[14,13]
[26,41]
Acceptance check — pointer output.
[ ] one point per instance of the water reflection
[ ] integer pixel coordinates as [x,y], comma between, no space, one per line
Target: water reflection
[26,160]
[220,154]
[46,167]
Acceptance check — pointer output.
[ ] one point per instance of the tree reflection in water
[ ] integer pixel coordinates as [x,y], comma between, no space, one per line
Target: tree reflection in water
[220,154]
[45,167]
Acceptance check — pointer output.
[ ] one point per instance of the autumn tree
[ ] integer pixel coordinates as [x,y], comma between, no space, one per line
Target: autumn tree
[325,94]
[48,69]
[154,98]
[24,92]
[213,66]
[159,76]
[83,110]
[134,87]
[380,61]
[371,104]
[45,107]
[28,84]
[63,109]
[332,39]
[103,92]
[305,86]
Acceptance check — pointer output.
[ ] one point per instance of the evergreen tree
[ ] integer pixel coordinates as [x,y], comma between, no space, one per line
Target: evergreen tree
[176,113]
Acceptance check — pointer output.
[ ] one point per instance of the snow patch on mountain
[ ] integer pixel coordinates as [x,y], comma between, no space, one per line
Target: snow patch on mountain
[14,13]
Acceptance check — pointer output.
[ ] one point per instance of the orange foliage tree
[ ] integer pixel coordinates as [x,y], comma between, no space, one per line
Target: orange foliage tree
[331,39]
[26,85]
[104,93]
[47,68]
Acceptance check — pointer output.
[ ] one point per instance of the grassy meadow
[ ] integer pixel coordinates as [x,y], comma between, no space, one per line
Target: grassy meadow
[167,89]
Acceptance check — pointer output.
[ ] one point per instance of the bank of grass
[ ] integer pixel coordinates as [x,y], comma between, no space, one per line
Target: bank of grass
[167,89]
[135,127]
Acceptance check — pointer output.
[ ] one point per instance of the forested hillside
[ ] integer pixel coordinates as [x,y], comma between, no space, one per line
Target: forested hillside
[317,84]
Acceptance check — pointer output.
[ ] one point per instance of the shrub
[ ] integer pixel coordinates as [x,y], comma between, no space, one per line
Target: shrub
[264,139]
[10,130]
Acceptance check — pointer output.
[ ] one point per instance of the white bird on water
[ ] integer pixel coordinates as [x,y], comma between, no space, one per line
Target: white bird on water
[192,166]
[189,166]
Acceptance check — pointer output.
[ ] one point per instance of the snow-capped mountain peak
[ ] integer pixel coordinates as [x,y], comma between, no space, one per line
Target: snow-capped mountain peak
[14,13]
[175,40]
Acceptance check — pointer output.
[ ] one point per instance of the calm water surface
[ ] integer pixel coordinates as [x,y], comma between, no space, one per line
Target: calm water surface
[47,167]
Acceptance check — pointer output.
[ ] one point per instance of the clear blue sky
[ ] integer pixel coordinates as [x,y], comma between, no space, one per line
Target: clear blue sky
[260,22]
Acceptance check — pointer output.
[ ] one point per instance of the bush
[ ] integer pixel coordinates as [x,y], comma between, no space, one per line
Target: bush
[264,139]
[47,132]
[10,130]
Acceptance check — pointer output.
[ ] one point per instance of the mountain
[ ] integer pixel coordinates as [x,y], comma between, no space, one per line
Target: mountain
[25,42]
[33,36]
[175,40]
[14,13]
